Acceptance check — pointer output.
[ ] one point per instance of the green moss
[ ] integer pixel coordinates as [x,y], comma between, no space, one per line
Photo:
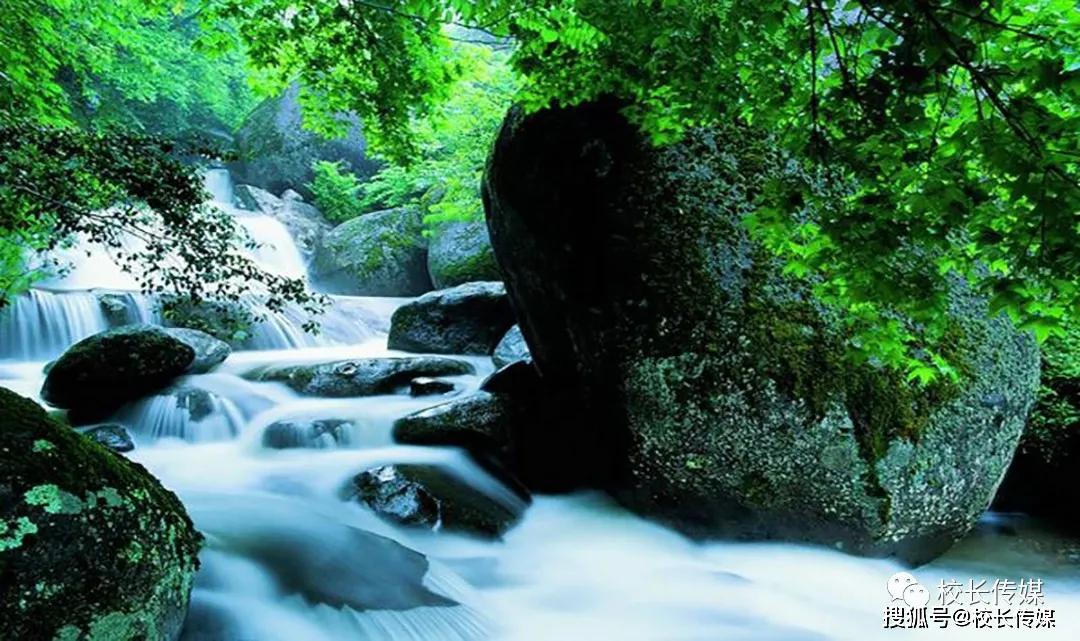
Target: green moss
[85,507]
[41,446]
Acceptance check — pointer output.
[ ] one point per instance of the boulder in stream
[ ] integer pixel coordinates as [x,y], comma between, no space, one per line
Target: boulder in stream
[460,252]
[715,386]
[99,374]
[209,351]
[361,376]
[467,319]
[424,386]
[383,253]
[428,496]
[112,435]
[91,545]
[511,347]
[313,434]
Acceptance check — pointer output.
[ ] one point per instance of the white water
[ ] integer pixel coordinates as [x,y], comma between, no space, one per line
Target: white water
[287,559]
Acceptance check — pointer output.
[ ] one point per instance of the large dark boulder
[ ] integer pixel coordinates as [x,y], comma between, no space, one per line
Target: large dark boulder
[460,252]
[383,253]
[359,377]
[431,497]
[99,374]
[721,390]
[1043,478]
[276,152]
[91,545]
[467,319]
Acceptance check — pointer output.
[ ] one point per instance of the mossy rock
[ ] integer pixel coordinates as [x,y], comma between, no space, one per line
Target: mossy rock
[718,388]
[99,374]
[460,252]
[92,547]
[467,319]
[383,253]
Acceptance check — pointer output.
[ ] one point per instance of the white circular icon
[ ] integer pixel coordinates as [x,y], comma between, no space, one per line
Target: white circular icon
[900,582]
[916,596]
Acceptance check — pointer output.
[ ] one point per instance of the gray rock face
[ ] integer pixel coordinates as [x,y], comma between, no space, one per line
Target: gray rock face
[305,223]
[427,496]
[383,253]
[313,434]
[276,152]
[467,319]
[100,373]
[480,422]
[209,351]
[718,388]
[460,252]
[511,348]
[113,436]
[359,377]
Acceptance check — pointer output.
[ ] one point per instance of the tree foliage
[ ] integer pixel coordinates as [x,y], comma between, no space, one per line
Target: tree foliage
[80,82]
[949,126]
[336,191]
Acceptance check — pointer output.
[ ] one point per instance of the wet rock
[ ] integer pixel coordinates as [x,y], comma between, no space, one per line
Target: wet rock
[100,373]
[305,223]
[91,545]
[712,386]
[360,377]
[118,309]
[383,253]
[467,319]
[460,252]
[424,386]
[430,497]
[511,348]
[316,434]
[518,380]
[479,422]
[209,351]
[113,436]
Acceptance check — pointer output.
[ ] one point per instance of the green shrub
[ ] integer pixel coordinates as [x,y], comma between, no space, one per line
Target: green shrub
[336,191]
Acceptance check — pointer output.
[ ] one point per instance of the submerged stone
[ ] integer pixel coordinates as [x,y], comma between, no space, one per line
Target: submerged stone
[430,497]
[360,377]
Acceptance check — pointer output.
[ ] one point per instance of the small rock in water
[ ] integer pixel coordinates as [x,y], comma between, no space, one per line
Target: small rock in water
[427,496]
[111,435]
[317,434]
[360,377]
[209,351]
[424,386]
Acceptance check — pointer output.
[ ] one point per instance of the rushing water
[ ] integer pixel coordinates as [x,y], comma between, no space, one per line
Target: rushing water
[288,559]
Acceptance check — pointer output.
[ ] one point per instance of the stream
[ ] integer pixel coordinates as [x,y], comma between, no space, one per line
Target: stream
[288,559]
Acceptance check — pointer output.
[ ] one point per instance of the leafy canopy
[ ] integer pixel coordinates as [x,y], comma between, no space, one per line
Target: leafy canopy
[950,124]
[82,85]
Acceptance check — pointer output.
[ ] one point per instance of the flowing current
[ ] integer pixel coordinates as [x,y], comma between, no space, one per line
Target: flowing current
[288,559]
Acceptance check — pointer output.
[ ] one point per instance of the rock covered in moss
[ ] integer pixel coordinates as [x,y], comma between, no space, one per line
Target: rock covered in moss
[99,374]
[428,496]
[460,252]
[361,376]
[511,348]
[467,319]
[720,390]
[276,151]
[383,253]
[1043,475]
[92,547]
